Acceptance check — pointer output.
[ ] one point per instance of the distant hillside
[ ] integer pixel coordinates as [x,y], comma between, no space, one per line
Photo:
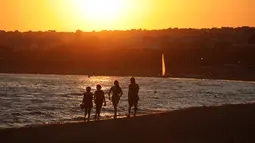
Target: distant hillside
[206,52]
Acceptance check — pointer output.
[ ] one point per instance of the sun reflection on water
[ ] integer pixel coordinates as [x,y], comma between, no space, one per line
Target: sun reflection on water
[104,81]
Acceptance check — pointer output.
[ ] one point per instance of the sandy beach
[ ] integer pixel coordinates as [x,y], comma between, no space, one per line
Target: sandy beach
[225,124]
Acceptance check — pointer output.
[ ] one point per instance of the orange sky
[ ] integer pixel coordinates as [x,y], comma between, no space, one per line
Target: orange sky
[67,15]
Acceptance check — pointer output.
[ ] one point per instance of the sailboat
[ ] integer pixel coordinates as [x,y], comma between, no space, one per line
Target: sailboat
[163,66]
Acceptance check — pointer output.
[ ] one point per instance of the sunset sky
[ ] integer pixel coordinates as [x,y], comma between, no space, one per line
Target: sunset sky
[88,15]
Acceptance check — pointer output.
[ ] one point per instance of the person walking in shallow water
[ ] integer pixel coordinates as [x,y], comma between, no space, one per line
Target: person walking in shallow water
[116,94]
[99,100]
[87,103]
[133,97]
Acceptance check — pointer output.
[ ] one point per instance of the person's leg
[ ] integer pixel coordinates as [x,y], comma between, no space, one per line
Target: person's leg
[85,113]
[89,110]
[129,107]
[135,109]
[99,110]
[96,111]
[117,102]
[115,111]
[114,103]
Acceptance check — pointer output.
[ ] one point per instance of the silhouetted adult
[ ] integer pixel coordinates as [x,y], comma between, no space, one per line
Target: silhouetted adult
[99,100]
[87,102]
[116,94]
[133,96]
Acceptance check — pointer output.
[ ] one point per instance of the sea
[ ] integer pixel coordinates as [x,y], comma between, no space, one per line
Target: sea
[37,99]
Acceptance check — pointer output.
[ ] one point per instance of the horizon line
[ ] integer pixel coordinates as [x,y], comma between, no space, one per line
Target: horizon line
[124,30]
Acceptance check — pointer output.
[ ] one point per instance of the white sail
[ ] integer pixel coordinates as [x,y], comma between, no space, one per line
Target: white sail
[163,66]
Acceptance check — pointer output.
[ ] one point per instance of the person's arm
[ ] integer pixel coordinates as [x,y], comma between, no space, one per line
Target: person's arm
[109,94]
[129,90]
[121,93]
[104,100]
[138,88]
[82,99]
[94,97]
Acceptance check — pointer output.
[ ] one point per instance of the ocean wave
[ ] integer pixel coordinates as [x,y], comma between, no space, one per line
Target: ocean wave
[16,114]
[35,113]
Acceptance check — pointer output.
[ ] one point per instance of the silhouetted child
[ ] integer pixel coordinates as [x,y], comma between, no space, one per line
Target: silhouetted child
[116,94]
[99,100]
[133,96]
[87,102]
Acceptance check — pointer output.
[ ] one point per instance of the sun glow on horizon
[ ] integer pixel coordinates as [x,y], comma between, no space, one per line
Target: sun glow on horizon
[99,10]
[99,13]
[89,15]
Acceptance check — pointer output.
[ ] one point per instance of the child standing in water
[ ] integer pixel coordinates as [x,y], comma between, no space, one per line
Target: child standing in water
[99,100]
[87,102]
[116,94]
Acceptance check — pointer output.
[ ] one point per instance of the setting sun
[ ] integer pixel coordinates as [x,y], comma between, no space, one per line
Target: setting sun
[99,10]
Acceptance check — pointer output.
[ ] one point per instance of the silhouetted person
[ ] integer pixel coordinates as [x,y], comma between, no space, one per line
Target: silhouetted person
[116,94]
[87,102]
[99,100]
[133,96]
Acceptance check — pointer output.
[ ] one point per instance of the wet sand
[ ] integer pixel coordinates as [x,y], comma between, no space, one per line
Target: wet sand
[225,124]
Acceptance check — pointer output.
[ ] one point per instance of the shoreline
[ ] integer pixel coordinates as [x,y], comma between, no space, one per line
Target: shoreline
[181,77]
[227,123]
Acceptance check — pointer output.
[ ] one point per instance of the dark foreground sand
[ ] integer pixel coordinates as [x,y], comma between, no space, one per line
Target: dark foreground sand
[226,124]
